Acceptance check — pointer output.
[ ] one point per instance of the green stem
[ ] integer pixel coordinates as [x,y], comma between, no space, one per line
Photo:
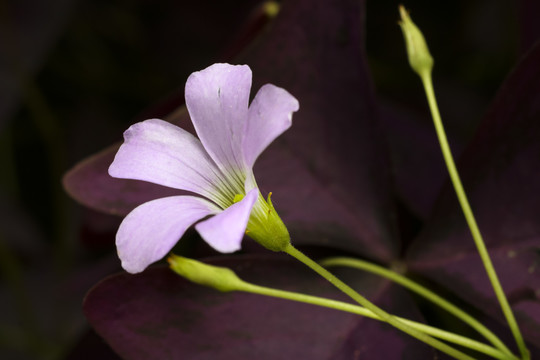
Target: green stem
[422,291]
[462,197]
[355,309]
[383,315]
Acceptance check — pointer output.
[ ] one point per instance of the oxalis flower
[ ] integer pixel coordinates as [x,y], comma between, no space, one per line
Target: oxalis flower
[217,166]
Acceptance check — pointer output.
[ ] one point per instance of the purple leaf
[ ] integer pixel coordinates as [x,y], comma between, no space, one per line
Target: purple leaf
[315,50]
[157,314]
[419,170]
[501,173]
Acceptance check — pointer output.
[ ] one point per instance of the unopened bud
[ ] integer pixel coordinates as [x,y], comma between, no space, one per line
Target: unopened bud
[219,278]
[417,50]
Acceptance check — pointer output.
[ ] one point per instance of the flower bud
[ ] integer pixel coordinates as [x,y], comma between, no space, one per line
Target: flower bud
[419,57]
[219,278]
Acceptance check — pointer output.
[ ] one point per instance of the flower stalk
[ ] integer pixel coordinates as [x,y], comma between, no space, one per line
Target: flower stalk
[225,280]
[383,315]
[422,291]
[417,51]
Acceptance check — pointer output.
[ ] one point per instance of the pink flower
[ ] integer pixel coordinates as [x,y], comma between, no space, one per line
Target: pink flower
[218,166]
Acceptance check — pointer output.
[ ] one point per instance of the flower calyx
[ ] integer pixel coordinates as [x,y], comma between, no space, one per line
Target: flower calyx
[266,227]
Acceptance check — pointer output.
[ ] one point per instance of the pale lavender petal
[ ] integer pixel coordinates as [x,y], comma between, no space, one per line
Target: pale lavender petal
[151,230]
[159,152]
[270,114]
[217,100]
[224,232]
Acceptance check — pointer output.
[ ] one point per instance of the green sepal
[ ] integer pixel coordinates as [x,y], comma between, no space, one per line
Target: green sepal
[266,227]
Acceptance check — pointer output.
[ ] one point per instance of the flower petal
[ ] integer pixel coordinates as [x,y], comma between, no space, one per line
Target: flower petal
[217,100]
[151,230]
[269,115]
[159,152]
[224,232]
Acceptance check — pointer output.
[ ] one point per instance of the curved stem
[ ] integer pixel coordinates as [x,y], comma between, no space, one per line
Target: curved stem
[420,290]
[471,221]
[355,309]
[383,315]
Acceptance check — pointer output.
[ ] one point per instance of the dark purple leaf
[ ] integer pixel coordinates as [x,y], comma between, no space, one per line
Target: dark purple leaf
[419,170]
[157,314]
[42,312]
[501,173]
[97,230]
[315,50]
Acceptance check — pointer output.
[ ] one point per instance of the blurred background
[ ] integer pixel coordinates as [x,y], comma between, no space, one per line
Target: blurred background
[74,74]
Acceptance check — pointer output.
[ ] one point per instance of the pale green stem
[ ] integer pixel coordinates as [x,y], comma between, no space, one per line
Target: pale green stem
[383,315]
[355,309]
[422,291]
[467,211]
